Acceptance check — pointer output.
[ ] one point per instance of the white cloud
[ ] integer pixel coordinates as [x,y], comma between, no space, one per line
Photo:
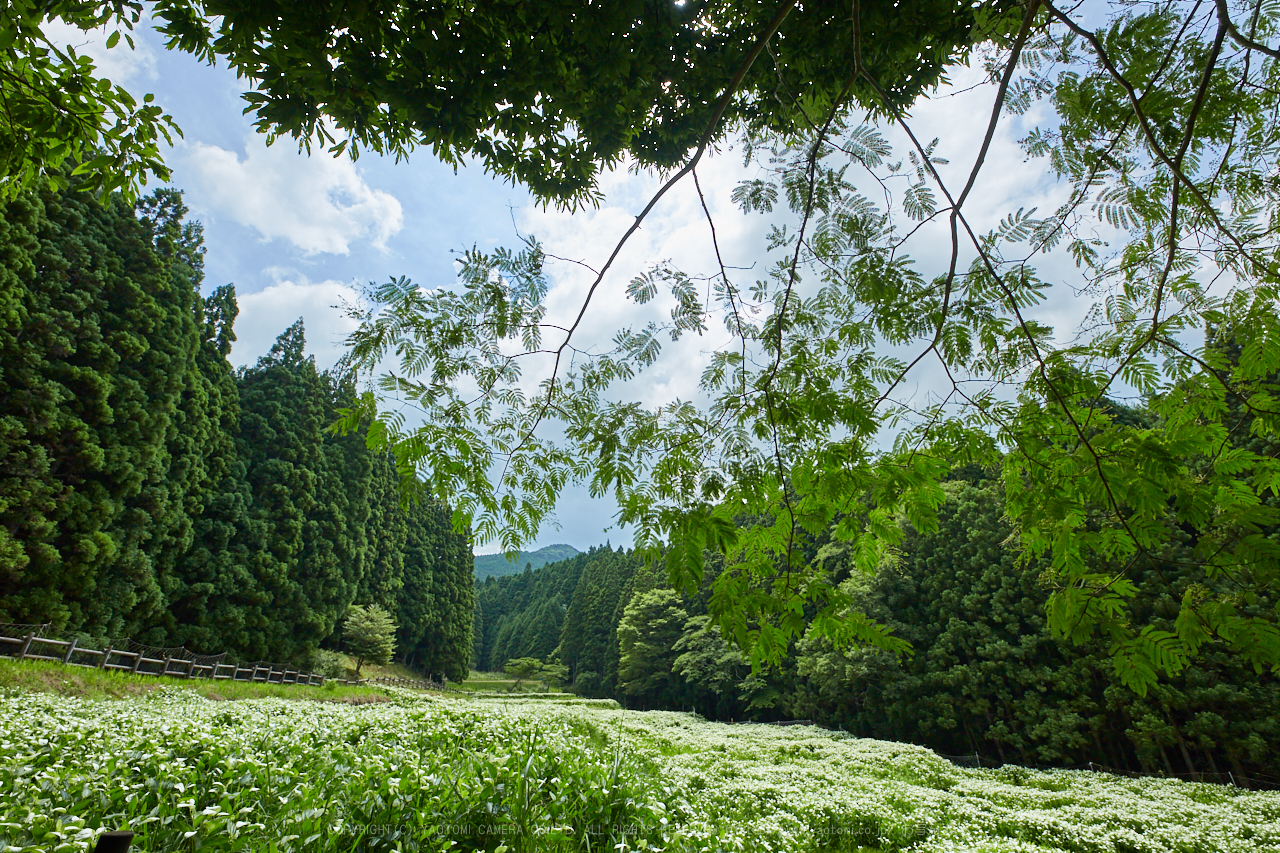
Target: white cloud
[319,203]
[267,313]
[120,64]
[675,230]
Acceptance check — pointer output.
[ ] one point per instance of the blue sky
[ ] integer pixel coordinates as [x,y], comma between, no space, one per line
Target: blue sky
[294,232]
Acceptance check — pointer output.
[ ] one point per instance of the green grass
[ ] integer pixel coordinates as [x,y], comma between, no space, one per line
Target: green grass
[49,677]
[498,682]
[477,677]
[393,669]
[545,699]
[492,686]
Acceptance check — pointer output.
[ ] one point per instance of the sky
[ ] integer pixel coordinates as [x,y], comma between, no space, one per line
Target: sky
[295,232]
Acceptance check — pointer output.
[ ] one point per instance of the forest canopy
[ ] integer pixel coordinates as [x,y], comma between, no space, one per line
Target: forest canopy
[149,490]
[1160,120]
[544,94]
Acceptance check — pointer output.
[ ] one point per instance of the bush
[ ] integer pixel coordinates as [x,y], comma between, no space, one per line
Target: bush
[329,664]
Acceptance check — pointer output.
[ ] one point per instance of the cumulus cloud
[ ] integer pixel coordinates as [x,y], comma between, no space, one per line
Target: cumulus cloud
[267,313]
[676,231]
[319,203]
[677,228]
[120,64]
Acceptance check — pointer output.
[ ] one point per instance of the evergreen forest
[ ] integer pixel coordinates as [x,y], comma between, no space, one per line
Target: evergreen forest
[149,490]
[984,675]
[497,565]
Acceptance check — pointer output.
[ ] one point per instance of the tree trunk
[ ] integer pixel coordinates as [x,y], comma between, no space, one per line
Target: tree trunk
[1182,744]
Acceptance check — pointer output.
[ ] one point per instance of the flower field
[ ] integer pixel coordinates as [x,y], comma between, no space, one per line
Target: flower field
[186,773]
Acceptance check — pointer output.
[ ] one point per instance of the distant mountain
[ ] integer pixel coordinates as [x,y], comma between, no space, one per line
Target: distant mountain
[497,565]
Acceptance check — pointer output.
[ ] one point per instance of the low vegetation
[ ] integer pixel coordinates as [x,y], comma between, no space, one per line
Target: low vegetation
[499,682]
[424,773]
[45,677]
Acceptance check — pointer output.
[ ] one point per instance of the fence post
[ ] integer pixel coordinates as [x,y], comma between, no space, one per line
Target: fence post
[137,662]
[165,671]
[1233,779]
[71,649]
[977,760]
[26,645]
[106,653]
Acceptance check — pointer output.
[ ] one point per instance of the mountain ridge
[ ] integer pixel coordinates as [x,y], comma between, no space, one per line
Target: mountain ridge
[497,565]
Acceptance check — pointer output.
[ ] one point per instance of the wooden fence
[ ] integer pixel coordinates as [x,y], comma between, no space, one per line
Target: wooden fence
[35,647]
[410,682]
[32,646]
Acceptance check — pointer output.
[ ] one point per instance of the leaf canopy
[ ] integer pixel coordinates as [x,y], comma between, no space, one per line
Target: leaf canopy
[546,94]
[1163,130]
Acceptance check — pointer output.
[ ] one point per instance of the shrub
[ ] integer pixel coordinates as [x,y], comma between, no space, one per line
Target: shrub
[329,664]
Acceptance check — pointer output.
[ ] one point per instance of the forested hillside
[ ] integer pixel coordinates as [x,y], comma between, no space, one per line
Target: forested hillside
[148,490]
[497,565]
[570,609]
[984,674]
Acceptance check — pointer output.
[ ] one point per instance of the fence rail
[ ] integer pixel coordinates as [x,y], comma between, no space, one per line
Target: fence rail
[71,653]
[419,684]
[33,646]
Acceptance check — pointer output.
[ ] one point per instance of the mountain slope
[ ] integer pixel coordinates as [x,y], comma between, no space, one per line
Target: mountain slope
[497,565]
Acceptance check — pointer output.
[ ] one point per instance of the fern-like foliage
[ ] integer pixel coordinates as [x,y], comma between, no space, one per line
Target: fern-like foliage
[1161,128]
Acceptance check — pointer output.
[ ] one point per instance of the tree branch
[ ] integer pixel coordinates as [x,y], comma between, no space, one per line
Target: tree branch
[1224,17]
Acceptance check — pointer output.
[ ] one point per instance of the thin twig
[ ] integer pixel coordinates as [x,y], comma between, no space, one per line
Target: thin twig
[996,108]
